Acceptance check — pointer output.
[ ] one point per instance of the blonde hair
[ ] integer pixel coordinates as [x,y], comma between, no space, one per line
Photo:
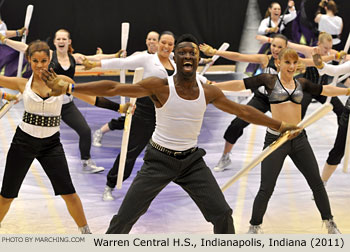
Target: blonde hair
[288,52]
[70,48]
[324,36]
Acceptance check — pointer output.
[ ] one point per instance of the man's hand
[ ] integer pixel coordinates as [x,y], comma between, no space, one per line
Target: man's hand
[316,57]
[318,61]
[88,64]
[273,29]
[287,126]
[207,60]
[340,55]
[207,49]
[2,39]
[9,97]
[57,85]
[120,53]
[294,129]
[123,108]
[99,50]
[21,31]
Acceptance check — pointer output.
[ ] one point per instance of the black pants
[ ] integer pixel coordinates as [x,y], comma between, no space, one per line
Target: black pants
[50,154]
[303,157]
[140,133]
[235,129]
[338,106]
[191,173]
[75,120]
[337,152]
[117,124]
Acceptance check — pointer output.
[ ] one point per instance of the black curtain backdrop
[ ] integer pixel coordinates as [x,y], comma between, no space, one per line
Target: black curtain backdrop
[311,8]
[95,23]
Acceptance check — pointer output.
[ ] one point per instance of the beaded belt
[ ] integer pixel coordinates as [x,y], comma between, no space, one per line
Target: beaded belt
[172,152]
[44,121]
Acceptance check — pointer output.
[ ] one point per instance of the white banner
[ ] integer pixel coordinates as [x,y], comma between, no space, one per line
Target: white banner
[181,242]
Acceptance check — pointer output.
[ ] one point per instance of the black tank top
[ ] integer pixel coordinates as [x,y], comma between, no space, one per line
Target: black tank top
[311,73]
[271,65]
[170,72]
[280,22]
[58,68]
[270,69]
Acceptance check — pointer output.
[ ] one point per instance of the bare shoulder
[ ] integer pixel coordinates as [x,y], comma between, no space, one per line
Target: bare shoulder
[210,88]
[211,92]
[153,83]
[21,83]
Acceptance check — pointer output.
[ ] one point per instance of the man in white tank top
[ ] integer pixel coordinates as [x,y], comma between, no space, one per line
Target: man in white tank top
[172,154]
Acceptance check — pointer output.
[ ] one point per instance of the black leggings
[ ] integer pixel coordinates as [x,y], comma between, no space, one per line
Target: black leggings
[337,152]
[303,157]
[140,133]
[235,129]
[338,106]
[117,124]
[75,120]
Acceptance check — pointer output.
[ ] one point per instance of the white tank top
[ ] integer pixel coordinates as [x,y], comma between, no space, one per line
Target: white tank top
[179,121]
[34,104]
[331,25]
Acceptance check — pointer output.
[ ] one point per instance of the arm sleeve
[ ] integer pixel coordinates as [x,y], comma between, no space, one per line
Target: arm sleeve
[335,70]
[289,17]
[131,62]
[263,26]
[102,102]
[256,81]
[310,87]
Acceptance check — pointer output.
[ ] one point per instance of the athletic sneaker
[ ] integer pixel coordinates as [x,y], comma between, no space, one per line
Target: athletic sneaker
[85,230]
[97,138]
[107,194]
[331,226]
[89,166]
[223,163]
[255,229]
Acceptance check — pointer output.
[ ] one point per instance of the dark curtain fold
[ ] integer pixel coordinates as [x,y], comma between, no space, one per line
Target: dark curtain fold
[95,23]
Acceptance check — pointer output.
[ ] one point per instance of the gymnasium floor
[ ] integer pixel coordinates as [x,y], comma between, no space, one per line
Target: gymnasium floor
[290,210]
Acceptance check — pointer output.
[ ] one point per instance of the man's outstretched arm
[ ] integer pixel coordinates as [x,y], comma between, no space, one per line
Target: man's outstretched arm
[143,88]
